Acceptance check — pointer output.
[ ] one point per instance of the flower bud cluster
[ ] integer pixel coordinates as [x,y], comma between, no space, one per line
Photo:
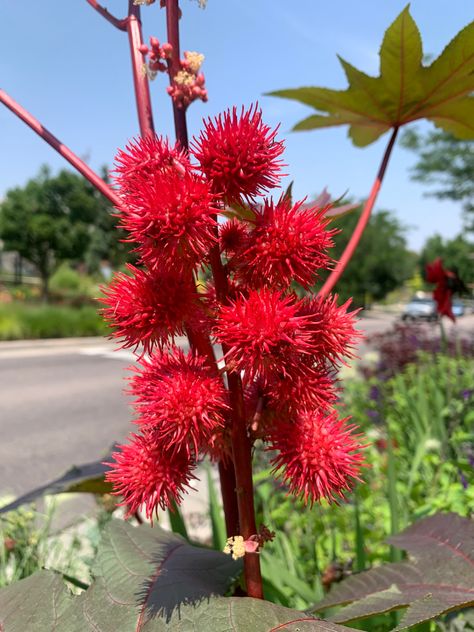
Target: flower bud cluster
[158,54]
[182,214]
[188,84]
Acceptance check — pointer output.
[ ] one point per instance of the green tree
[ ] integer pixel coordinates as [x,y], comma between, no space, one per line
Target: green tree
[457,254]
[381,262]
[55,218]
[447,163]
[106,241]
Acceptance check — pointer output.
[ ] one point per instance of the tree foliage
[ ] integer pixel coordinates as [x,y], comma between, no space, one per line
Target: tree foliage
[447,163]
[381,263]
[456,253]
[56,218]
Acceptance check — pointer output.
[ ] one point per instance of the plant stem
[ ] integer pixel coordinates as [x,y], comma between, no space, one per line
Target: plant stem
[229,498]
[64,151]
[444,338]
[172,29]
[241,448]
[140,80]
[119,24]
[198,340]
[335,275]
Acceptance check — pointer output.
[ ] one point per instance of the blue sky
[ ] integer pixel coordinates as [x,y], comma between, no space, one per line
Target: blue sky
[71,69]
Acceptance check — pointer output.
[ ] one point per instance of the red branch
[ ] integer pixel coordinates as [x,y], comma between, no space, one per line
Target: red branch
[335,275]
[241,445]
[56,144]
[140,79]
[198,340]
[119,24]
[172,27]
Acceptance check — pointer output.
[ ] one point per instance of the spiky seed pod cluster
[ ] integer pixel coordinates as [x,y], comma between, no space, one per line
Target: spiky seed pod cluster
[285,348]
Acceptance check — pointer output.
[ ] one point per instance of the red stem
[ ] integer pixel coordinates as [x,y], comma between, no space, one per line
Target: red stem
[198,340]
[119,24]
[241,449]
[56,144]
[335,275]
[172,28]
[140,80]
[229,499]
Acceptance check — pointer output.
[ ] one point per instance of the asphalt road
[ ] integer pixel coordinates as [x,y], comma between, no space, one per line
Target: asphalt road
[62,403]
[56,409]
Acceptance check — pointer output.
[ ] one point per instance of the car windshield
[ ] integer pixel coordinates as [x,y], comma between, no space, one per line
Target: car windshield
[424,301]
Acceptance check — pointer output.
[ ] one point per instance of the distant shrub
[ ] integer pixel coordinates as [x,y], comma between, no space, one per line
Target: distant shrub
[67,283]
[23,321]
[65,279]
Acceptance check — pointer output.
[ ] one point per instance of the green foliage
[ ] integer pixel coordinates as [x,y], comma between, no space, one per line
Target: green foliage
[437,578]
[53,219]
[447,163]
[419,426]
[28,543]
[456,254]
[21,544]
[380,264]
[22,321]
[65,279]
[405,90]
[71,286]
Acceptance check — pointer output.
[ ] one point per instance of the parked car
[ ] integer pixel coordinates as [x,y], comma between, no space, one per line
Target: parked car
[458,307]
[420,309]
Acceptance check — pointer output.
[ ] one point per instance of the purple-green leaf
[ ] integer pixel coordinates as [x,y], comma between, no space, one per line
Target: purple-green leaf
[437,578]
[34,604]
[86,478]
[147,580]
[405,90]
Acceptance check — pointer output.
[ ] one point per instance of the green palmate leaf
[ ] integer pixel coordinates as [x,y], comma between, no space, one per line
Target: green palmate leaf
[85,478]
[438,577]
[147,580]
[34,603]
[405,90]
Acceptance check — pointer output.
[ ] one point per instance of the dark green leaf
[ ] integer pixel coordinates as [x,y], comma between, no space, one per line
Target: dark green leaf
[147,580]
[438,577]
[87,478]
[34,603]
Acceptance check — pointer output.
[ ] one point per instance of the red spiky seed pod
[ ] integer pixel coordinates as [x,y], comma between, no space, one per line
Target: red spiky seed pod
[333,327]
[148,475]
[312,388]
[318,456]
[263,334]
[172,219]
[142,158]
[148,308]
[288,243]
[181,398]
[233,236]
[239,154]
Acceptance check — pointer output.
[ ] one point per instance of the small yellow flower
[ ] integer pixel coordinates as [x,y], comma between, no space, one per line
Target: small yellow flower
[184,78]
[194,61]
[235,546]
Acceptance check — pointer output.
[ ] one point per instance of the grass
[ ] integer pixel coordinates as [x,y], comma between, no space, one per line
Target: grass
[19,321]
